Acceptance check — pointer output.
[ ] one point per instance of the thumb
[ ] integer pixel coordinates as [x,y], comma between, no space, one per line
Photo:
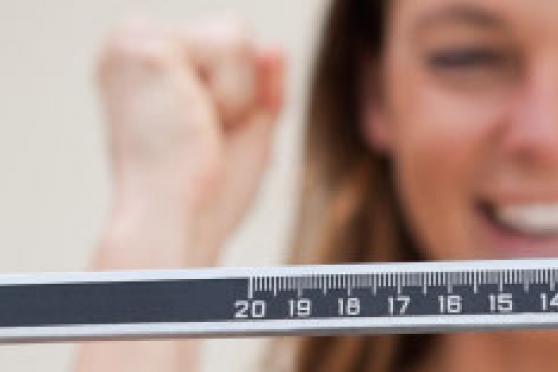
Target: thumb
[254,135]
[270,66]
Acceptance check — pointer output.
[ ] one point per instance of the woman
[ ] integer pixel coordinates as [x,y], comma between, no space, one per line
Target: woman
[432,134]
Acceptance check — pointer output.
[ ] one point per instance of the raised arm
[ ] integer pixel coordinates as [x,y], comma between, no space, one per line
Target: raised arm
[191,113]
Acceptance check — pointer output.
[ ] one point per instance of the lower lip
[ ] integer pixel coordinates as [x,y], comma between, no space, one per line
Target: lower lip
[507,243]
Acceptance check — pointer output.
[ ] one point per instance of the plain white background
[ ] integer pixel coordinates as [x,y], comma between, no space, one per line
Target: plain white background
[54,170]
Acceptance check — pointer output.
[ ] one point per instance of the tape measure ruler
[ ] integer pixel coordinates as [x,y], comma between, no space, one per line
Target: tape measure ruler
[422,297]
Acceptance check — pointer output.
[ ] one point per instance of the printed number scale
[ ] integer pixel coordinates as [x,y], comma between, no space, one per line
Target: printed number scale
[422,297]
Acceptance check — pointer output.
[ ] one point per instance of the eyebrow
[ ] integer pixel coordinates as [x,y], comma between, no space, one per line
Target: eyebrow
[460,14]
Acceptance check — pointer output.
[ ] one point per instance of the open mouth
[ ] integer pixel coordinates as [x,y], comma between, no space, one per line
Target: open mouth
[535,221]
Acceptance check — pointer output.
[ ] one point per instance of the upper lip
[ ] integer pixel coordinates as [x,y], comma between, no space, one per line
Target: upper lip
[523,198]
[499,193]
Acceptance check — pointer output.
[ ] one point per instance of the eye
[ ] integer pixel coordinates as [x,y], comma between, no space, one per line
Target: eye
[475,67]
[467,58]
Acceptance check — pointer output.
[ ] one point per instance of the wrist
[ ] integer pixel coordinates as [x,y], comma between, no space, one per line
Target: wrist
[153,232]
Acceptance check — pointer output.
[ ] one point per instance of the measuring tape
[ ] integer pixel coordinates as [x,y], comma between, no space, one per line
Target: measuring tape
[425,297]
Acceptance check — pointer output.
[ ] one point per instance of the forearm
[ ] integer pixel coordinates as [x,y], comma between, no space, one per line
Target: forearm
[139,356]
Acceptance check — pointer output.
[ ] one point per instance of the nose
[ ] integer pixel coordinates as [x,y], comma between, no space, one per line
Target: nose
[531,136]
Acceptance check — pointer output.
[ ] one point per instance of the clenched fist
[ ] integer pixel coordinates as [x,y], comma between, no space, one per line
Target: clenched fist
[191,113]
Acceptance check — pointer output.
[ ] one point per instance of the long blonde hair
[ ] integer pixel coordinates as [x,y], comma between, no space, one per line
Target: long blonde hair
[349,208]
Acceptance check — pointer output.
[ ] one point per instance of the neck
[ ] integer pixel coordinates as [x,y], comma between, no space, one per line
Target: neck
[494,352]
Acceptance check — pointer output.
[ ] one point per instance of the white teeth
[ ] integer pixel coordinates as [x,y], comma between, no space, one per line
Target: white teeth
[529,218]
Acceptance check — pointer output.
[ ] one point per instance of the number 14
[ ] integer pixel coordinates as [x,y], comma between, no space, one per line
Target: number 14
[549,303]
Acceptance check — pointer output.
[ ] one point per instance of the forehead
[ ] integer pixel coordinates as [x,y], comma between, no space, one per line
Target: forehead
[524,16]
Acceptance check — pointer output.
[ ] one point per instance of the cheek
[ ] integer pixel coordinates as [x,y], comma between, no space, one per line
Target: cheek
[440,142]
[438,138]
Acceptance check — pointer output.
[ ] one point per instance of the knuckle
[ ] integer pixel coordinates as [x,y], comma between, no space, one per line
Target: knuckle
[237,26]
[137,43]
[238,35]
[227,31]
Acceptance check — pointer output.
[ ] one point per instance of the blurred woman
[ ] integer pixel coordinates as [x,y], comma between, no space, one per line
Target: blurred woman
[432,134]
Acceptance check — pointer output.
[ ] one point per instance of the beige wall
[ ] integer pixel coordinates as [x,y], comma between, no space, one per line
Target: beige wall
[54,185]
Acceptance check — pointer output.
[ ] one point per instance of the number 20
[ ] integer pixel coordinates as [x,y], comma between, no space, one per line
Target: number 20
[249,309]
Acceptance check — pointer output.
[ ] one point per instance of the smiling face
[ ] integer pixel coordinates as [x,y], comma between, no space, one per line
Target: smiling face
[469,116]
